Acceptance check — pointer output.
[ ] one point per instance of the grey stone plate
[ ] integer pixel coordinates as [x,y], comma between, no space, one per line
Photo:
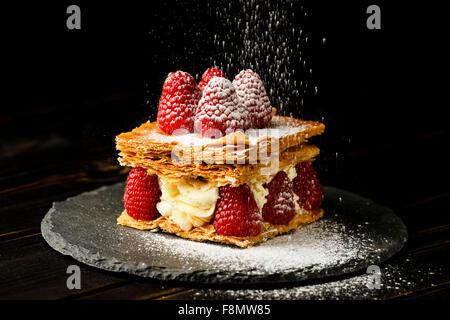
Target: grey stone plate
[354,233]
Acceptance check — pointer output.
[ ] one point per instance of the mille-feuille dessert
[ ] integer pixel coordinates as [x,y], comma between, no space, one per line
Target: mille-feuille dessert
[219,164]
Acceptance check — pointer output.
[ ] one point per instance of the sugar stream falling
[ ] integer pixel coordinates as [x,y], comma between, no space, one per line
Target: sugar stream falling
[271,39]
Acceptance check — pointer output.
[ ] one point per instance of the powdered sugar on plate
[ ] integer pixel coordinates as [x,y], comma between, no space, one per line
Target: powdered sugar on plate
[341,242]
[396,279]
[353,234]
[315,246]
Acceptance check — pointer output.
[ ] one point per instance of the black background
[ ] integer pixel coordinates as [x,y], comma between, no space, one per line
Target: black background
[77,89]
[382,95]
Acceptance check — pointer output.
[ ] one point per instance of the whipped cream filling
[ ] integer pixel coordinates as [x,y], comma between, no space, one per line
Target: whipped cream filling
[259,193]
[290,171]
[190,202]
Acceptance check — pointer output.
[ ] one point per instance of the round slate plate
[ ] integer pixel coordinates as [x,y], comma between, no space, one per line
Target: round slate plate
[354,233]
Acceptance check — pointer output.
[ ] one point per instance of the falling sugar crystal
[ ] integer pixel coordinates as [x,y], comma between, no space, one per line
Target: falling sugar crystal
[269,38]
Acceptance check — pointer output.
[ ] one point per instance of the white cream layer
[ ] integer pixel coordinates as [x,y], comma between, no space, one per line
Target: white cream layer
[191,202]
[188,202]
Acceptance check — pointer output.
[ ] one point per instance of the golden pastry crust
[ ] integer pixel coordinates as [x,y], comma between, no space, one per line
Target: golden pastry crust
[221,173]
[148,141]
[208,233]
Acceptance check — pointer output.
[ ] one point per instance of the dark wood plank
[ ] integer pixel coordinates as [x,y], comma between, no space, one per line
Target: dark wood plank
[142,290]
[16,214]
[32,270]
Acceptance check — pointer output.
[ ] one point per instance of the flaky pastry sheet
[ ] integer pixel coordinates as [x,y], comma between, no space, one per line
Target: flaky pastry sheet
[256,146]
[221,173]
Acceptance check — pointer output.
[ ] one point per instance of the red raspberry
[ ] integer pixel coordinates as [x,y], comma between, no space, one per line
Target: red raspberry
[208,75]
[141,195]
[237,213]
[219,111]
[280,206]
[178,102]
[307,186]
[253,96]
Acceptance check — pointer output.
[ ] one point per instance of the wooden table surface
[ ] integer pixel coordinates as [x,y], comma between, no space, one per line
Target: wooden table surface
[36,169]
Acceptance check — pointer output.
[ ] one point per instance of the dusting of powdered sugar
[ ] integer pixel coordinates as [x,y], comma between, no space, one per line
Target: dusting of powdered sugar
[353,234]
[316,246]
[401,277]
[274,39]
[221,106]
[275,130]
